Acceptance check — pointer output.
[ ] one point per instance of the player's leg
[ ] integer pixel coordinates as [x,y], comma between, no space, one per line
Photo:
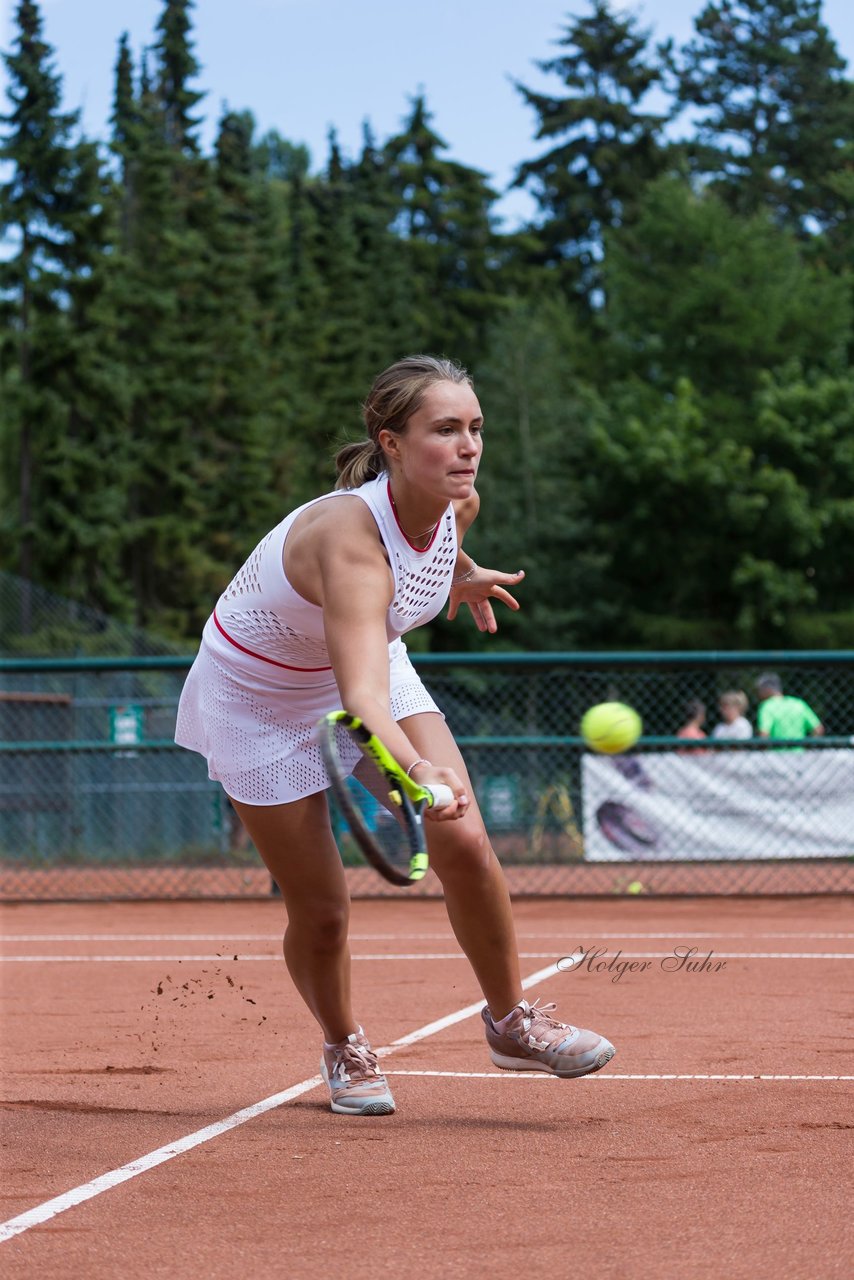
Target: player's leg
[520,1036]
[476,895]
[296,842]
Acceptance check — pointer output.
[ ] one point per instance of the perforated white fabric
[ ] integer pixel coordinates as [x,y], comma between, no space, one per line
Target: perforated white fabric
[248,579]
[262,678]
[420,585]
[260,745]
[262,613]
[409,698]
[262,630]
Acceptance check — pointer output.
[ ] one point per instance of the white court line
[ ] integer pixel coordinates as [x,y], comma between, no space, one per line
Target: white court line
[228,939]
[596,1078]
[422,955]
[86,1191]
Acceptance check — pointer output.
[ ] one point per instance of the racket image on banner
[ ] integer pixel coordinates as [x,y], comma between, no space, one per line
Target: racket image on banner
[383,807]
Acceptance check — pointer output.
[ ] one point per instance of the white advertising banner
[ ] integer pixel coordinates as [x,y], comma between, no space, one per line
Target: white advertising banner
[719,804]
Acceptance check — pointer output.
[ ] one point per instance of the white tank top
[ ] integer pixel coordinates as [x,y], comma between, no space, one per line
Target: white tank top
[261,623]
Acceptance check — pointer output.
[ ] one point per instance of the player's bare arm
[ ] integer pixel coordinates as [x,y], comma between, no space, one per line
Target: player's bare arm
[465,514]
[352,582]
[474,585]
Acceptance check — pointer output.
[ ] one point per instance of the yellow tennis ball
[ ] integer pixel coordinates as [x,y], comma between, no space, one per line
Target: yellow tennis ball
[611,727]
[635,887]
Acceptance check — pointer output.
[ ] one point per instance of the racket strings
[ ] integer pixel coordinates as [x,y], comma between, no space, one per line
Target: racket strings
[369,803]
[373,816]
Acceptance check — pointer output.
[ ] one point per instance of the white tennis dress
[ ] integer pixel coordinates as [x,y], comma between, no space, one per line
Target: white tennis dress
[262,677]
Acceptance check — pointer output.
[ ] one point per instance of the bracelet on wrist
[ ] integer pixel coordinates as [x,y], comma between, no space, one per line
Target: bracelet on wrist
[465,577]
[415,764]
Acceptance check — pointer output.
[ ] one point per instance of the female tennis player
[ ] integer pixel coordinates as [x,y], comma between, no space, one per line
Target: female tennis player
[313,622]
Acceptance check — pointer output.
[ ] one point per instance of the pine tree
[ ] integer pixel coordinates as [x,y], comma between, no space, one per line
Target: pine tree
[383,256]
[538,414]
[125,116]
[163,288]
[38,146]
[235,467]
[341,361]
[275,159]
[177,67]
[445,219]
[803,426]
[836,200]
[776,112]
[92,466]
[303,342]
[603,146]
[361,306]
[60,381]
[276,165]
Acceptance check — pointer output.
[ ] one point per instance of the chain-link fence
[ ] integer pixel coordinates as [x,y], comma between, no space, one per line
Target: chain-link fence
[35,622]
[97,802]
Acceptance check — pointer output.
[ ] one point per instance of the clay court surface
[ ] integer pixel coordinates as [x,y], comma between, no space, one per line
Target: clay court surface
[163,1115]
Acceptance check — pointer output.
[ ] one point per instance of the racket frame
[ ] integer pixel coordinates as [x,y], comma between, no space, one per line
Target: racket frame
[404,792]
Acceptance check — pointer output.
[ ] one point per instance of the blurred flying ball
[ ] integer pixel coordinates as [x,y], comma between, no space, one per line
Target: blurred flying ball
[611,727]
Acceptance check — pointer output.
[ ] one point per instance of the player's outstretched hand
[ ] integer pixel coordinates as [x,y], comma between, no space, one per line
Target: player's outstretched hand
[484,586]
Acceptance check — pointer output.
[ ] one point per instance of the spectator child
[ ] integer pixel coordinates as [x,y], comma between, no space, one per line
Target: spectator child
[695,718]
[692,726]
[734,723]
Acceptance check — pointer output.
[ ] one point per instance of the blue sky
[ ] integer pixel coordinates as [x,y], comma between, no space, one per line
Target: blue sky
[302,66]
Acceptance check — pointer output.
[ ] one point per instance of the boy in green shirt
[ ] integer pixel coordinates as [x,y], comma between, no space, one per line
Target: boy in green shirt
[779,716]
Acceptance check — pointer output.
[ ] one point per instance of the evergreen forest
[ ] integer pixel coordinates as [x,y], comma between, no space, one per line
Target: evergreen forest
[663,354]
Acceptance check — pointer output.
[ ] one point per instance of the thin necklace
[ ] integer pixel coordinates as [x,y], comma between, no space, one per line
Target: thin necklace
[413,537]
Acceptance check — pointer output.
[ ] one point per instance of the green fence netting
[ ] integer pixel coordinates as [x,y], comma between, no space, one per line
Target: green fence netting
[97,802]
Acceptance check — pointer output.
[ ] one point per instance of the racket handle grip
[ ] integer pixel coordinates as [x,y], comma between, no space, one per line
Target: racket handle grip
[442,796]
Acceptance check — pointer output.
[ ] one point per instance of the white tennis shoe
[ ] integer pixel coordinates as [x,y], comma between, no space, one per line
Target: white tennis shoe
[529,1039]
[357,1087]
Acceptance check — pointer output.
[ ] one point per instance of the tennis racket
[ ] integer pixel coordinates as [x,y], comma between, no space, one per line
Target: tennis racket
[381,806]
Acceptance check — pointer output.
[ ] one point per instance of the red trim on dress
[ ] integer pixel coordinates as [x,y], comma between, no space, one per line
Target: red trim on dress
[403,531]
[260,656]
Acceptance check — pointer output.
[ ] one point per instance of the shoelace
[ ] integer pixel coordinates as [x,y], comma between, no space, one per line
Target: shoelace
[539,1014]
[359,1061]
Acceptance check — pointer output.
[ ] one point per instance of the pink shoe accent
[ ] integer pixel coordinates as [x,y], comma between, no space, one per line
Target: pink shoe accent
[356,1085]
[530,1039]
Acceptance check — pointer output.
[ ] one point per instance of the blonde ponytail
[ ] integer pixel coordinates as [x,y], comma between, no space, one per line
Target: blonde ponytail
[357,463]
